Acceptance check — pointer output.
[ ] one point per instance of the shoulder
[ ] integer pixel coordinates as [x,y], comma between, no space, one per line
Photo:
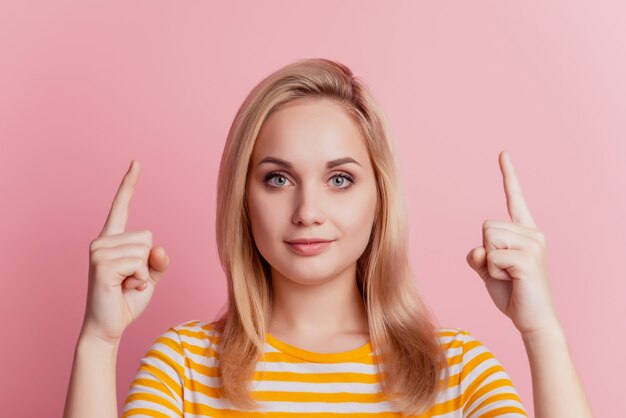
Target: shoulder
[195,328]
[194,332]
[468,357]
[463,347]
[451,338]
[163,373]
[482,380]
[185,338]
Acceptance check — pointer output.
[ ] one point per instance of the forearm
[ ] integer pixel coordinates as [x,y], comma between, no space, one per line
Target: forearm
[557,390]
[91,391]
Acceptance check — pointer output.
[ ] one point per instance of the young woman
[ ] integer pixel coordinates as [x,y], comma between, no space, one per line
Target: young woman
[323,317]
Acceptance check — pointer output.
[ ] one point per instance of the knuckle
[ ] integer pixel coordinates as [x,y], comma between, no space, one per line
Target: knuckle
[93,245]
[489,257]
[138,274]
[486,224]
[99,267]
[541,237]
[537,247]
[148,236]
[95,256]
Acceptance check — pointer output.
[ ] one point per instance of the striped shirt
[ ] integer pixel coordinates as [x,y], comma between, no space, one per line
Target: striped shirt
[178,377]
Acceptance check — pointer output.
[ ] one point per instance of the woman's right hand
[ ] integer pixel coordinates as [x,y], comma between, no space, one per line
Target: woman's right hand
[123,270]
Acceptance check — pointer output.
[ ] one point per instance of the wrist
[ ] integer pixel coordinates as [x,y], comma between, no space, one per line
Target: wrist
[94,335]
[89,342]
[551,331]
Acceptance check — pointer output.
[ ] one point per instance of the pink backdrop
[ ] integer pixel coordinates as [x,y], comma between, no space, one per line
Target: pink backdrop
[88,86]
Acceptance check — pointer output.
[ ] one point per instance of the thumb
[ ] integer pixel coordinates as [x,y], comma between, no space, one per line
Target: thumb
[158,261]
[477,260]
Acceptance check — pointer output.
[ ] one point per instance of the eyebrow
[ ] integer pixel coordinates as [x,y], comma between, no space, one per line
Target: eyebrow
[329,164]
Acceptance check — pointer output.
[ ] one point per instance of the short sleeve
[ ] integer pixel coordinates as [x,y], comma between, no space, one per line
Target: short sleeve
[486,387]
[157,390]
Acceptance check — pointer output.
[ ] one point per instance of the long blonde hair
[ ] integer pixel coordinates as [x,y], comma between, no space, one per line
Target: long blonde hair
[402,328]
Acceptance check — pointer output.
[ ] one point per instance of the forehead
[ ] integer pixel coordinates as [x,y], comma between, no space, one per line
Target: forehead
[311,129]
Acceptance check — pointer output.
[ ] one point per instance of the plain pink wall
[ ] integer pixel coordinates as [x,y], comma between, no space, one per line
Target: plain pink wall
[87,86]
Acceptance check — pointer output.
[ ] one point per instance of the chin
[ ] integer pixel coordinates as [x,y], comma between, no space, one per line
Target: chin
[307,276]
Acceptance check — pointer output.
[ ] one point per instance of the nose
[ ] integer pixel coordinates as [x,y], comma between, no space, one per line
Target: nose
[308,206]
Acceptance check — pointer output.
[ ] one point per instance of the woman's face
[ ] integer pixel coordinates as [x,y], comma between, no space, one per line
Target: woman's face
[307,198]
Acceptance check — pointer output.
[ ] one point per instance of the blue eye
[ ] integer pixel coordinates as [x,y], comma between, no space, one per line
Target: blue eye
[341,176]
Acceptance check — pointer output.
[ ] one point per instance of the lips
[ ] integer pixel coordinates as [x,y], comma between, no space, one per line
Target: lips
[307,247]
[307,241]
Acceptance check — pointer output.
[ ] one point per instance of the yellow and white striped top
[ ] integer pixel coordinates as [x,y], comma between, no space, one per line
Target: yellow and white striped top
[178,377]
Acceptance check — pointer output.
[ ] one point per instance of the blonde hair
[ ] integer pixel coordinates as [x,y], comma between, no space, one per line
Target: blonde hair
[402,327]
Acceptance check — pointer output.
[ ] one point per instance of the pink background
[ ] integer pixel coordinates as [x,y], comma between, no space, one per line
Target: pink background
[88,86]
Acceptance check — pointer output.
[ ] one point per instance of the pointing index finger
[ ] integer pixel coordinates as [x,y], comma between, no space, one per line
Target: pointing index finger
[517,207]
[118,214]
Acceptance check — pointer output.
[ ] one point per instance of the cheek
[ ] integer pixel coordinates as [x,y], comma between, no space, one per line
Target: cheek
[355,217]
[266,218]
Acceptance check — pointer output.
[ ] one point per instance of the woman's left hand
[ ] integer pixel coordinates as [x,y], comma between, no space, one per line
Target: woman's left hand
[513,261]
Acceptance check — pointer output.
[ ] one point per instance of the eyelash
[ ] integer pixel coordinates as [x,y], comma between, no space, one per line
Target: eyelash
[271,175]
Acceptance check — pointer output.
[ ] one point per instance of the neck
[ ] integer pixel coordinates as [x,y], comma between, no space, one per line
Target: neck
[327,308]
